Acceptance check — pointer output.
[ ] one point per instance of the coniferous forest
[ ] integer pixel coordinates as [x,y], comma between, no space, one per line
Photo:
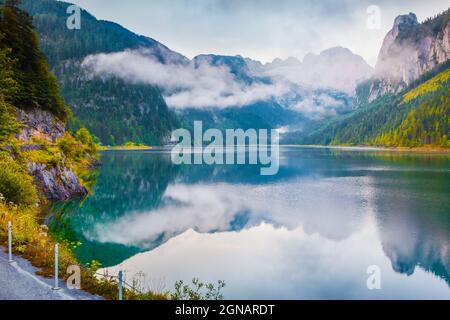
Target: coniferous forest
[418,116]
[34,86]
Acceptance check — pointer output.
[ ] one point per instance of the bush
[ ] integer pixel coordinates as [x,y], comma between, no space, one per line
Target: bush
[16,185]
[84,137]
[8,123]
[68,145]
[50,157]
[198,290]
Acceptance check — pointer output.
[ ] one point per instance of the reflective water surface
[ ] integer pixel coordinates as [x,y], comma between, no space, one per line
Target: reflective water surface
[310,232]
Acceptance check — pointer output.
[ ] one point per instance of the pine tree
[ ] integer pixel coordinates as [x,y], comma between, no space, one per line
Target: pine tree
[8,123]
[37,87]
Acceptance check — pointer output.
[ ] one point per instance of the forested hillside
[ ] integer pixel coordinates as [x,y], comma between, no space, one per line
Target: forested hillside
[33,141]
[418,116]
[409,50]
[95,36]
[406,103]
[34,86]
[40,162]
[429,124]
[114,111]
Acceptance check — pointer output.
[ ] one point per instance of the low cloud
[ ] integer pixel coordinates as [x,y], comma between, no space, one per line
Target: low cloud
[319,106]
[336,68]
[199,85]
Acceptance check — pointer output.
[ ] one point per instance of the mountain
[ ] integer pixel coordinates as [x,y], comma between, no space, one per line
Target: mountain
[313,87]
[123,86]
[394,120]
[95,36]
[290,105]
[337,68]
[280,63]
[118,109]
[114,110]
[409,50]
[237,65]
[36,86]
[39,159]
[265,113]
[409,103]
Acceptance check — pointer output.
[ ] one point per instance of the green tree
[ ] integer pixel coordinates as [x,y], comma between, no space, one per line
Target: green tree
[16,185]
[8,123]
[36,86]
[84,137]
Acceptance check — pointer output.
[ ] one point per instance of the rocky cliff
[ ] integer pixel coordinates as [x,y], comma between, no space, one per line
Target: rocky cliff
[114,110]
[409,50]
[40,145]
[54,182]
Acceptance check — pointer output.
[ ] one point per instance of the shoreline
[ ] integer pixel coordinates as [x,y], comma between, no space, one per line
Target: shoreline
[428,149]
[125,148]
[433,149]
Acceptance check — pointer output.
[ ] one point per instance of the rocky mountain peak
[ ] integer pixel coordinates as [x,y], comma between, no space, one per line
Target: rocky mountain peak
[409,50]
[337,51]
[404,21]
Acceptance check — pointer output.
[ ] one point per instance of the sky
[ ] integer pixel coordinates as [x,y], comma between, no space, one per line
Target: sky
[262,29]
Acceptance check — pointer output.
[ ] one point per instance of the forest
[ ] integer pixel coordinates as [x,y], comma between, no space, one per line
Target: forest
[417,116]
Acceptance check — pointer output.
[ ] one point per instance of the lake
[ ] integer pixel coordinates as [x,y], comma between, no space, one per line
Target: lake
[313,231]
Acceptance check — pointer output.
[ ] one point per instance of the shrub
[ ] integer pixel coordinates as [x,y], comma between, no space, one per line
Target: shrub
[68,145]
[50,157]
[16,185]
[198,290]
[84,137]
[8,123]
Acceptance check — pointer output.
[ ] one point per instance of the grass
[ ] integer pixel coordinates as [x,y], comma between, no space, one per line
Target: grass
[32,242]
[67,152]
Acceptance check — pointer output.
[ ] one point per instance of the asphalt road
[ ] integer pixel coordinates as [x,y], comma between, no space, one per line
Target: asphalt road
[18,281]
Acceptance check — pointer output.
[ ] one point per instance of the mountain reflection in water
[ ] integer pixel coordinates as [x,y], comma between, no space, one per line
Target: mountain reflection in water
[309,232]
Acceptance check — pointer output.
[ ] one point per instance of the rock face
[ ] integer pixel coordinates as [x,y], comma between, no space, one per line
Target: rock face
[409,50]
[396,59]
[40,124]
[337,68]
[56,183]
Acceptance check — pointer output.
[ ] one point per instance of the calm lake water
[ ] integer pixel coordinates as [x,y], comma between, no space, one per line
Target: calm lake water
[310,232]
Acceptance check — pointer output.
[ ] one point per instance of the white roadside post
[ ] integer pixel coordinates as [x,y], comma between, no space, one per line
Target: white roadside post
[120,285]
[56,287]
[10,242]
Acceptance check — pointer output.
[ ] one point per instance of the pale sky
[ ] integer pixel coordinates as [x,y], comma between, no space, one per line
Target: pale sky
[260,29]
